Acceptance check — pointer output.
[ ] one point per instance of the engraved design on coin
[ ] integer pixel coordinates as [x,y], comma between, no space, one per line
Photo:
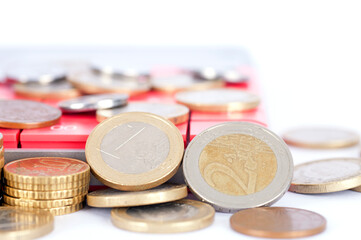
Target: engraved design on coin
[238,164]
[143,144]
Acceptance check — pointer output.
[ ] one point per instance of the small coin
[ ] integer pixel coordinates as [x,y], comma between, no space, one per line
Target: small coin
[179,216]
[206,73]
[175,113]
[238,165]
[96,84]
[183,82]
[45,195]
[94,102]
[25,114]
[114,198]
[134,151]
[54,211]
[46,170]
[278,222]
[56,90]
[327,175]
[117,71]
[234,76]
[218,100]
[321,137]
[49,187]
[18,223]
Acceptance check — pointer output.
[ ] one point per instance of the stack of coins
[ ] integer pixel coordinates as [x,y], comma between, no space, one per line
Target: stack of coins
[58,185]
[2,161]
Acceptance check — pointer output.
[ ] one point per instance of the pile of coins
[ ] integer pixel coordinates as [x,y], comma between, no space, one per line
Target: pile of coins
[57,185]
[2,162]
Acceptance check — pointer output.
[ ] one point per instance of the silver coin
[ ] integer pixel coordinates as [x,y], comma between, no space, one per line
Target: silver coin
[40,72]
[238,165]
[233,76]
[176,113]
[93,102]
[113,68]
[206,73]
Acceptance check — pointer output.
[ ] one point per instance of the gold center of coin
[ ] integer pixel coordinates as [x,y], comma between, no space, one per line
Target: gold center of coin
[238,164]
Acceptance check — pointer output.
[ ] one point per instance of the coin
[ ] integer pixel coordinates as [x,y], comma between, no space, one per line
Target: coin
[18,223]
[55,211]
[175,113]
[27,114]
[321,137]
[114,198]
[206,73]
[278,222]
[45,195]
[134,151]
[1,140]
[218,100]
[117,71]
[233,76]
[55,90]
[237,165]
[179,216]
[93,102]
[49,187]
[182,82]
[53,203]
[46,170]
[95,84]
[327,175]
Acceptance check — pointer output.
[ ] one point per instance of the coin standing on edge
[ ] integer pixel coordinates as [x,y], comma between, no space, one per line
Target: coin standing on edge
[17,223]
[176,113]
[218,100]
[115,198]
[321,137]
[179,216]
[134,151]
[327,175]
[278,222]
[93,102]
[238,165]
[25,114]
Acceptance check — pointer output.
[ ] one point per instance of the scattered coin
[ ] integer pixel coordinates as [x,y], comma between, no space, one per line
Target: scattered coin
[94,102]
[16,223]
[115,198]
[114,154]
[321,137]
[218,100]
[233,76]
[206,73]
[327,175]
[179,216]
[121,72]
[25,114]
[176,113]
[278,222]
[238,165]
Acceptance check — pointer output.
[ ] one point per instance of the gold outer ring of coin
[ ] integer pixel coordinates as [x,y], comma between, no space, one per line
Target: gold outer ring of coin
[54,203]
[2,159]
[30,233]
[45,195]
[51,180]
[204,218]
[63,94]
[139,198]
[328,187]
[48,187]
[134,182]
[202,85]
[55,211]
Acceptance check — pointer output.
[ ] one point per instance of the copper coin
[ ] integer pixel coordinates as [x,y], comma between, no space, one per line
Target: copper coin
[278,222]
[27,114]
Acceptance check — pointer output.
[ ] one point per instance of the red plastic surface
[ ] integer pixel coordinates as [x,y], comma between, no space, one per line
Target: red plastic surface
[10,137]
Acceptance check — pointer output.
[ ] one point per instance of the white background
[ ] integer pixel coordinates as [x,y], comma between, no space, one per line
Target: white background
[307,55]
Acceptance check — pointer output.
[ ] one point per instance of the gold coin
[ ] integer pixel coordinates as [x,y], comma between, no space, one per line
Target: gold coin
[179,216]
[114,198]
[54,211]
[45,195]
[23,224]
[49,187]
[321,137]
[134,151]
[327,175]
[218,100]
[46,170]
[54,203]
[1,140]
[2,159]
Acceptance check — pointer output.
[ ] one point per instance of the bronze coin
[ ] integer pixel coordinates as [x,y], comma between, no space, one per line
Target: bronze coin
[278,222]
[25,114]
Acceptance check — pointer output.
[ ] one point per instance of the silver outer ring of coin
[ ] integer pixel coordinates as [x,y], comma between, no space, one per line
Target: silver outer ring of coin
[94,102]
[227,203]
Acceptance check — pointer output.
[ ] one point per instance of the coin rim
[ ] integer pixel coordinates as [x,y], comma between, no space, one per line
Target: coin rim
[197,86]
[55,211]
[48,187]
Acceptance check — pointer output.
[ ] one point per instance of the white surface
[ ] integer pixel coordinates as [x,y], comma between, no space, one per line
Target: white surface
[308,59]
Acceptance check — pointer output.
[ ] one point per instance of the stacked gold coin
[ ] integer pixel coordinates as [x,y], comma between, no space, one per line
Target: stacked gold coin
[58,185]
[2,161]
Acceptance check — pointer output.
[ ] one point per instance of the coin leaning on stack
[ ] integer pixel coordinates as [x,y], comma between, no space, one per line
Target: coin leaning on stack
[58,185]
